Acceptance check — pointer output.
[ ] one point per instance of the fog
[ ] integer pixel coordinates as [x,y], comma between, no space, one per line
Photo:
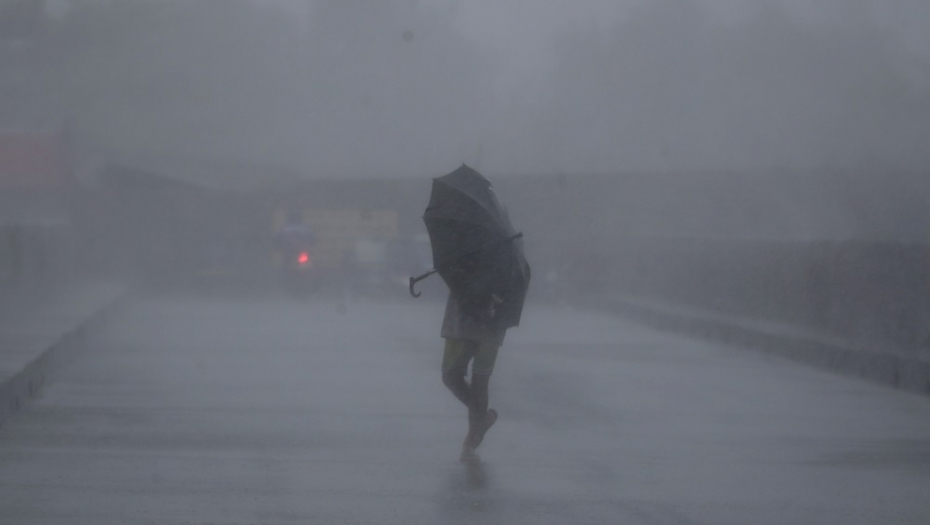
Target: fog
[213,209]
[410,88]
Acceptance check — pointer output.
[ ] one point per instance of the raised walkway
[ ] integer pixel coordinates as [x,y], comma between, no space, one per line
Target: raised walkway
[878,361]
[38,330]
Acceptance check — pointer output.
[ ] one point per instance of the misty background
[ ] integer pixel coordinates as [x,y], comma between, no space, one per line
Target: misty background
[766,158]
[411,87]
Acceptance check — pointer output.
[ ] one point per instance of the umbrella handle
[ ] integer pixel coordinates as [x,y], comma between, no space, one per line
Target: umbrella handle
[415,280]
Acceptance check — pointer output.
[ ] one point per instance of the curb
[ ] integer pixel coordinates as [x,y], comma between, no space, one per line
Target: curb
[878,366]
[17,390]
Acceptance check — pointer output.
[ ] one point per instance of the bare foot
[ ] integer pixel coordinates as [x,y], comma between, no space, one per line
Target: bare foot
[469,456]
[476,435]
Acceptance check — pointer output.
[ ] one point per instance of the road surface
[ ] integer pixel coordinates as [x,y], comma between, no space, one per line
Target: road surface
[189,410]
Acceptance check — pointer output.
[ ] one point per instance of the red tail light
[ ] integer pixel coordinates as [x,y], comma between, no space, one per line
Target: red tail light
[303,259]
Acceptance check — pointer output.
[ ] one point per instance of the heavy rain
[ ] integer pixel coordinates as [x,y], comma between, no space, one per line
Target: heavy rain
[464,261]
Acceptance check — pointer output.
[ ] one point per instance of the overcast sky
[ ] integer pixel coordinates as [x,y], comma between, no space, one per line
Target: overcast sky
[522,27]
[521,32]
[410,87]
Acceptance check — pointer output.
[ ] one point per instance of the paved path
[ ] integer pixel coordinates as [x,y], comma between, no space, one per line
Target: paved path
[34,327]
[263,412]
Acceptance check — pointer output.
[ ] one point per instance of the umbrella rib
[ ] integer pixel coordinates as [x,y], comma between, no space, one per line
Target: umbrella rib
[488,207]
[479,250]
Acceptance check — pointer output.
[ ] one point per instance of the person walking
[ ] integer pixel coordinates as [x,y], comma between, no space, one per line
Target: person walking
[479,255]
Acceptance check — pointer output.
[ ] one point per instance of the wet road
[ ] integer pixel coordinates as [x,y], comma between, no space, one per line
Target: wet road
[263,412]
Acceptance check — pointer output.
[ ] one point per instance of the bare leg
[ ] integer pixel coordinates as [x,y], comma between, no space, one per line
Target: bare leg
[480,418]
[479,395]
[455,382]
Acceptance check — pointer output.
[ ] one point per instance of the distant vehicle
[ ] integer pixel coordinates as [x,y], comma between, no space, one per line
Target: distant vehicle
[298,272]
[297,269]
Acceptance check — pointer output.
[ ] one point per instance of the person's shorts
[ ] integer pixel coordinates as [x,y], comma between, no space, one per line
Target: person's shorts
[459,352]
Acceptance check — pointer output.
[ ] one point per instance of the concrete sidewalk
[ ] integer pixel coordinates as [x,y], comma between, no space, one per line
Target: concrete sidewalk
[881,362]
[37,330]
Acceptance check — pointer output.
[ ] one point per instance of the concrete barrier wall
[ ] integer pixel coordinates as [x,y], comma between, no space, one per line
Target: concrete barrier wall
[858,289]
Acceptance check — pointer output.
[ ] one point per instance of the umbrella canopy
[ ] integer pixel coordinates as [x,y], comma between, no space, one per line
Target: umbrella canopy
[476,249]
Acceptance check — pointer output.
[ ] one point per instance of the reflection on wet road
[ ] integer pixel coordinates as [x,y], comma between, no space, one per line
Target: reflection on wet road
[198,410]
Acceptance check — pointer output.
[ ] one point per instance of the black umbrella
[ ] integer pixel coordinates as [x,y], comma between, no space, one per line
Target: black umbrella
[476,250]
